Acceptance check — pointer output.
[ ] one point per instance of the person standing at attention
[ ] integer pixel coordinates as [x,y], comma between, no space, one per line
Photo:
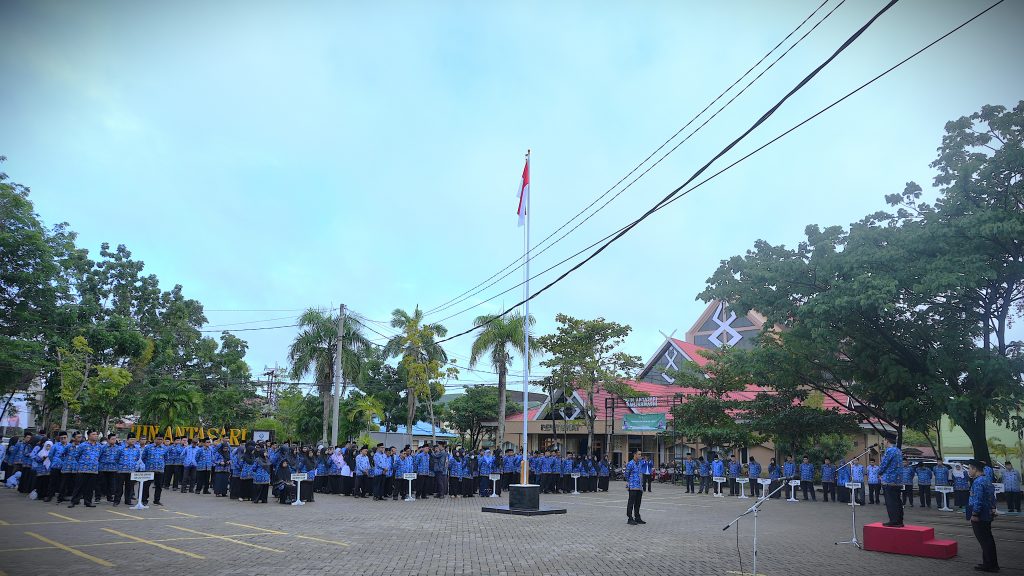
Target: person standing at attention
[635,485]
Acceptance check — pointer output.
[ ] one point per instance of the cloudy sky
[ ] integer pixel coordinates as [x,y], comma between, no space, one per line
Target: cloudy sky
[273,156]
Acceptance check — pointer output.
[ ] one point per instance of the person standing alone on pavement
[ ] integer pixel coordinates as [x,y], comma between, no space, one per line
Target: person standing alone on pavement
[635,484]
[980,511]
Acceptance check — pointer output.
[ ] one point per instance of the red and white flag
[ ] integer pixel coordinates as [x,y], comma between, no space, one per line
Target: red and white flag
[524,192]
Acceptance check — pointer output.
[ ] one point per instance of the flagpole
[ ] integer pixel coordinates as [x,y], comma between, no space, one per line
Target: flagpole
[525,471]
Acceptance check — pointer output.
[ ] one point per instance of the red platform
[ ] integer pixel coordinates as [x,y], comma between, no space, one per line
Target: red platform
[909,540]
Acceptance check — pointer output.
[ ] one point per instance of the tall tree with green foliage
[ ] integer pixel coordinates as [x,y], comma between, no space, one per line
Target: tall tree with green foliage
[471,412]
[422,357]
[313,351]
[583,352]
[906,312]
[501,336]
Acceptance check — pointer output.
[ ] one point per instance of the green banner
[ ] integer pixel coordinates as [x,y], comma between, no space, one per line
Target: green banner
[643,422]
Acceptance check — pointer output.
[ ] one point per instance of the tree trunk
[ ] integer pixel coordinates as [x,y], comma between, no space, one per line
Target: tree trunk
[64,417]
[326,396]
[502,370]
[410,413]
[433,429]
[975,430]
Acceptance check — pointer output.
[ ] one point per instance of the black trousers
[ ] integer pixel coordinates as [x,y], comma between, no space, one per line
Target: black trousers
[983,532]
[188,478]
[893,503]
[633,504]
[422,482]
[378,486]
[158,487]
[648,478]
[203,481]
[874,493]
[1013,501]
[67,486]
[111,485]
[127,488]
[507,479]
[908,494]
[926,495]
[42,486]
[259,492]
[806,485]
[85,487]
[245,488]
[826,489]
[286,493]
[235,487]
[441,487]
[602,483]
[688,482]
[56,483]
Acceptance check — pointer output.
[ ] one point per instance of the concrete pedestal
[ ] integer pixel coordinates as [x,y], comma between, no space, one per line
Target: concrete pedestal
[523,500]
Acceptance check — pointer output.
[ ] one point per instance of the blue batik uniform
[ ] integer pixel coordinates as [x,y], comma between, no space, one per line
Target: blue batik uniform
[381,464]
[843,475]
[828,473]
[982,500]
[1011,480]
[907,475]
[857,473]
[188,456]
[508,464]
[990,474]
[70,465]
[705,468]
[38,462]
[890,467]
[753,471]
[689,466]
[718,468]
[567,466]
[88,458]
[735,469]
[362,465]
[202,459]
[128,460]
[486,464]
[273,456]
[941,475]
[961,483]
[873,477]
[421,461]
[924,476]
[57,454]
[807,472]
[405,465]
[174,455]
[236,461]
[25,456]
[789,469]
[13,455]
[456,467]
[774,472]
[109,457]
[634,476]
[153,458]
[259,473]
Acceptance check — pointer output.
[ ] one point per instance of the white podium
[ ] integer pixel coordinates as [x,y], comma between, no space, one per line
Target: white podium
[719,480]
[944,490]
[141,477]
[765,483]
[743,486]
[853,486]
[793,485]
[410,476]
[999,488]
[494,484]
[575,478]
[299,478]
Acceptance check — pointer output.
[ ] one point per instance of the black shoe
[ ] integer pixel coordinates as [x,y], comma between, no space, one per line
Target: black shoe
[88,505]
[72,505]
[117,502]
[983,568]
[155,503]
[639,521]
[47,499]
[631,522]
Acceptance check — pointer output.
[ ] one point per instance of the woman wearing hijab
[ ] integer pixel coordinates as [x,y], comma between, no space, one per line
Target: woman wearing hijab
[603,473]
[307,463]
[283,483]
[322,466]
[470,467]
[348,468]
[961,485]
[9,455]
[245,477]
[334,471]
[41,469]
[455,464]
[235,482]
[221,469]
[260,472]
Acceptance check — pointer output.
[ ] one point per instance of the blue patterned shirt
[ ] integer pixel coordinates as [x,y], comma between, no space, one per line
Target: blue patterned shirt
[1011,481]
[789,469]
[941,475]
[88,456]
[753,470]
[807,472]
[153,457]
[982,500]
[129,458]
[873,477]
[634,476]
[828,473]
[57,456]
[857,473]
[890,465]
[924,476]
[109,456]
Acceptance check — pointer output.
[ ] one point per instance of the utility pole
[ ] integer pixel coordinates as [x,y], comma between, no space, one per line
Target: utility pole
[338,376]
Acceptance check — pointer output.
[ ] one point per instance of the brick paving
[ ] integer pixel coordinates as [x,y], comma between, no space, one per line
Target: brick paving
[337,535]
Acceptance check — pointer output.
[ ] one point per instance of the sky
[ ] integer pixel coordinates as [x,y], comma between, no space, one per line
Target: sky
[273,156]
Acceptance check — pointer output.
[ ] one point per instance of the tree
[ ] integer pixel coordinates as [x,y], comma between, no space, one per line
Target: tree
[416,344]
[313,351]
[385,383]
[583,353]
[713,415]
[364,410]
[499,334]
[85,384]
[471,411]
[170,404]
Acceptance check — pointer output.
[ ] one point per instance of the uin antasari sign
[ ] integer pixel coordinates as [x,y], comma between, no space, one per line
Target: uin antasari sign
[234,436]
[644,422]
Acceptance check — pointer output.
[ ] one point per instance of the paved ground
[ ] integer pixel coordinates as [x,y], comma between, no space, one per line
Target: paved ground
[337,535]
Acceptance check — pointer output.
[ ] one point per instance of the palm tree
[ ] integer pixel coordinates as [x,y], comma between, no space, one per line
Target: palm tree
[170,404]
[313,351]
[366,408]
[416,342]
[500,334]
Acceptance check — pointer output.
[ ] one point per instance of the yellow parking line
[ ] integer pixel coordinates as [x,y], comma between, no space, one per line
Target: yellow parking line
[267,530]
[322,540]
[126,515]
[4,523]
[225,538]
[78,553]
[157,544]
[179,513]
[63,517]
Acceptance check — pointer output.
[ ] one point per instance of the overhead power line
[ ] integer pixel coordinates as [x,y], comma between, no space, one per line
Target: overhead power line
[509,268]
[678,192]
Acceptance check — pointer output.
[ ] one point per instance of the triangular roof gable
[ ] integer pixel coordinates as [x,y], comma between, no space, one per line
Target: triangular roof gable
[720,326]
[671,355]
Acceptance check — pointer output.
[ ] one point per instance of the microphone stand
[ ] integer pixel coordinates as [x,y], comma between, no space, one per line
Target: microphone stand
[853,499]
[753,509]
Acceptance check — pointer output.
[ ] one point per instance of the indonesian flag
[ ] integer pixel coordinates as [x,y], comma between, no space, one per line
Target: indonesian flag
[524,192]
